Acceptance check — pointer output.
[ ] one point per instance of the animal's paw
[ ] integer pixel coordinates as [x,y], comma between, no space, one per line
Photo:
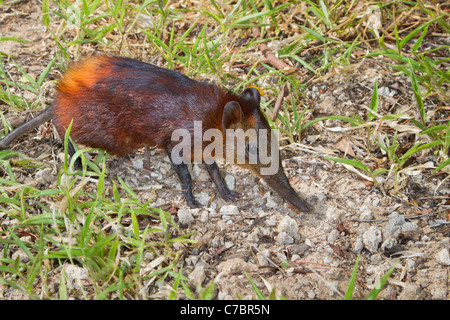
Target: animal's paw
[194,204]
[230,196]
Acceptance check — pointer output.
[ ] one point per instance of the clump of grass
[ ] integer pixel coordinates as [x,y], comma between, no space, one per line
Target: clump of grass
[78,224]
[434,79]
[373,294]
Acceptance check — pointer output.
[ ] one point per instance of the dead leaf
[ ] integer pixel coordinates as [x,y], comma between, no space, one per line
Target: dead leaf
[367,183]
[340,252]
[341,228]
[343,145]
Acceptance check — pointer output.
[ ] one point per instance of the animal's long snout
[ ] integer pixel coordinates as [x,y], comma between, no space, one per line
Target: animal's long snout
[280,184]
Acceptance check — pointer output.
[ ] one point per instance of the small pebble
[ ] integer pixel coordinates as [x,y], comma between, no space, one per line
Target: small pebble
[229,180]
[185,216]
[443,257]
[229,210]
[290,227]
[372,238]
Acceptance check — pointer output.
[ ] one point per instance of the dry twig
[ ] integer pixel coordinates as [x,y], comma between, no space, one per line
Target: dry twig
[279,101]
[270,56]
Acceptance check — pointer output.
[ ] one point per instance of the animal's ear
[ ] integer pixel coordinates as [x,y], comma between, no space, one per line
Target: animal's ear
[232,115]
[251,96]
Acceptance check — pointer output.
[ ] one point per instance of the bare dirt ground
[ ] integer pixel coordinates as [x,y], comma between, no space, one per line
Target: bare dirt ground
[261,233]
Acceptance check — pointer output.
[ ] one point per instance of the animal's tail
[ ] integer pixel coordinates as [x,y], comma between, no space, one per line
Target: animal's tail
[41,118]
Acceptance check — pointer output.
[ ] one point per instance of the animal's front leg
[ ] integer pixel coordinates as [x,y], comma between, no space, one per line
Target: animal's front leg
[186,183]
[224,192]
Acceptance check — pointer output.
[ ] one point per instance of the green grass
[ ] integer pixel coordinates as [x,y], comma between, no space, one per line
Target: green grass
[86,222]
[69,230]
[373,294]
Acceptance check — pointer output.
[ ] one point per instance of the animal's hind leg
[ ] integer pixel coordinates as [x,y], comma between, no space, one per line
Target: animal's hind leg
[71,150]
[147,157]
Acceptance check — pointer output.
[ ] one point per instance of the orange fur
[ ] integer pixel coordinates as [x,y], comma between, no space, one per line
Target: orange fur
[80,77]
[84,74]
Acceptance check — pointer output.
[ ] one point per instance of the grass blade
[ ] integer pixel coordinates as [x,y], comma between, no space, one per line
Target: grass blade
[373,103]
[349,293]
[255,288]
[416,31]
[416,90]
[379,286]
[45,13]
[354,163]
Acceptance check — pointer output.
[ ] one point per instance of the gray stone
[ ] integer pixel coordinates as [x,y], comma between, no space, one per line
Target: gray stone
[271,204]
[290,227]
[443,257]
[398,224]
[263,257]
[229,180]
[358,246]
[284,238]
[45,176]
[236,266]
[333,235]
[229,210]
[389,244]
[185,216]
[372,238]
[366,215]
[197,276]
[411,292]
[138,163]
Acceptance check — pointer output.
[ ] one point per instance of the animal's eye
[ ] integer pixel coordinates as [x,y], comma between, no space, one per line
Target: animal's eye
[252,150]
